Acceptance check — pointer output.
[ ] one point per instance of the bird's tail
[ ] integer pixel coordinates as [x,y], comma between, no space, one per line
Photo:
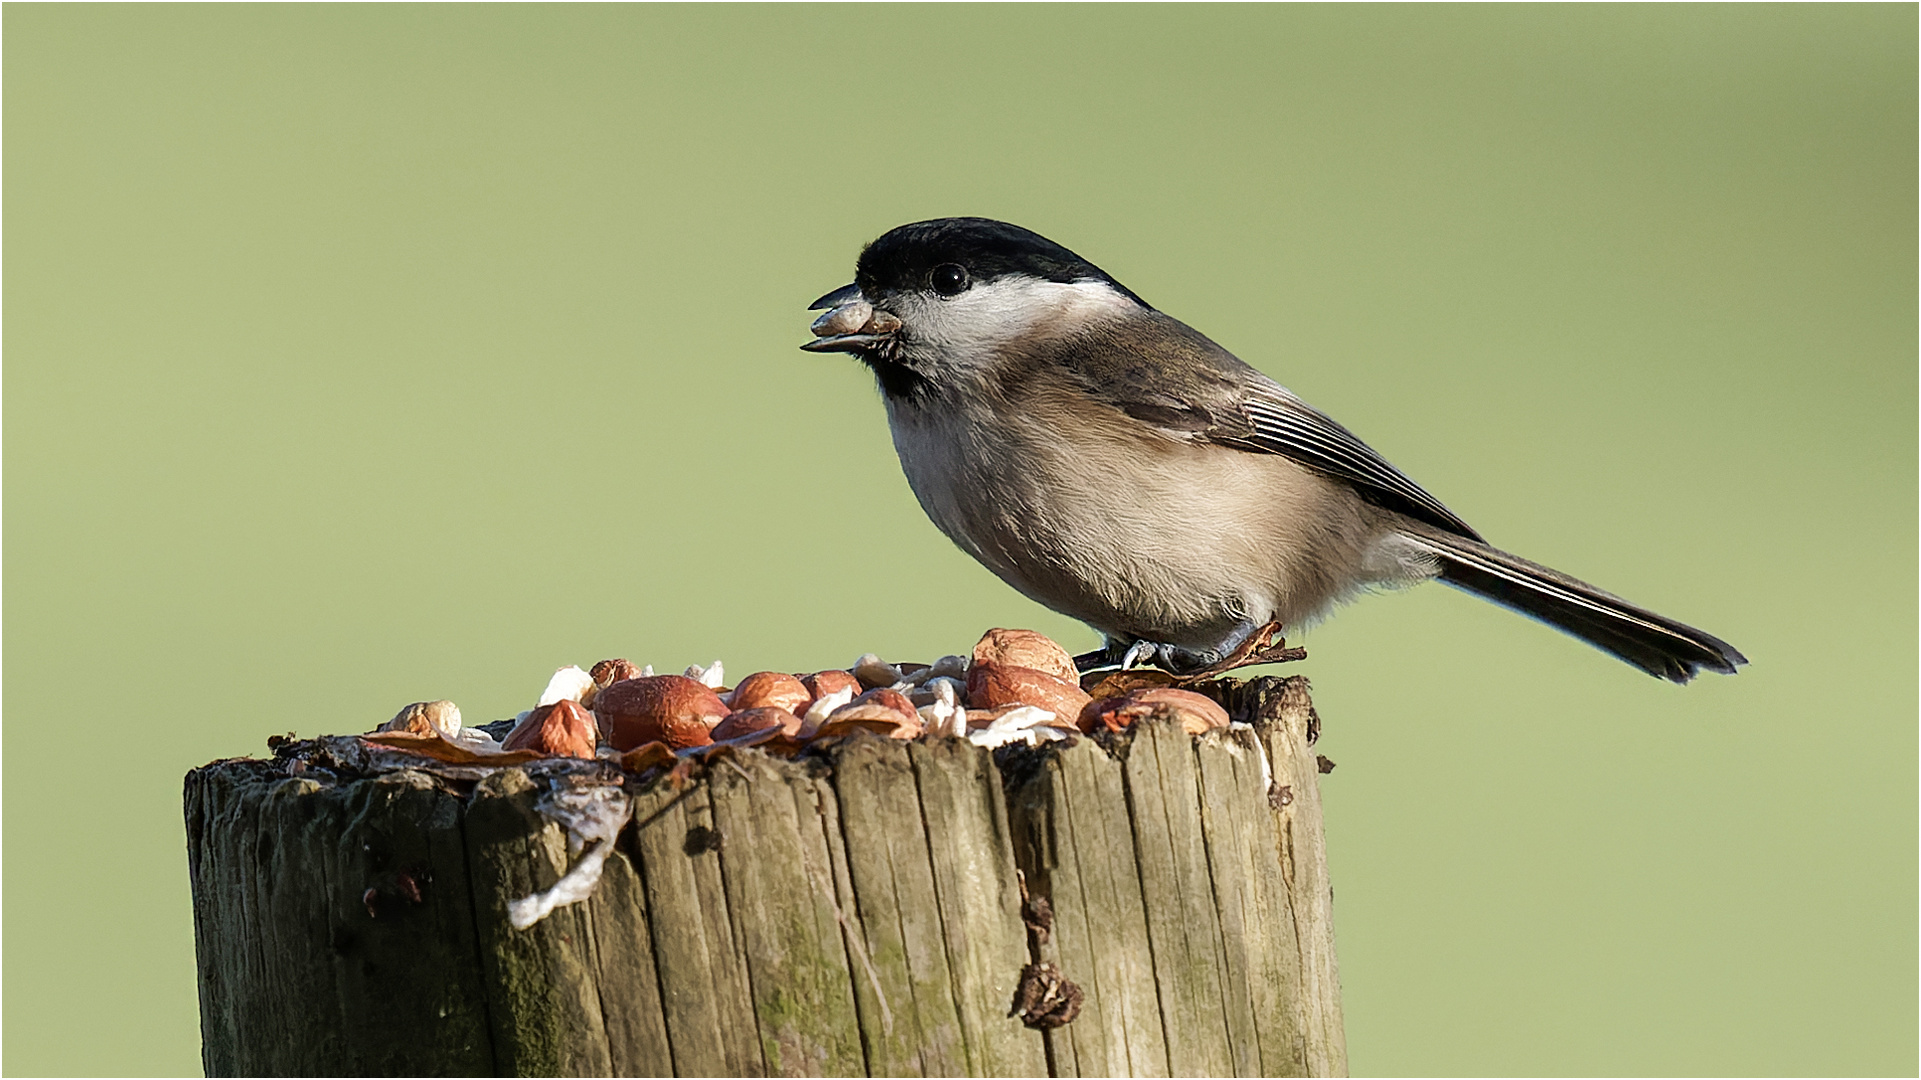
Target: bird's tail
[1655,644]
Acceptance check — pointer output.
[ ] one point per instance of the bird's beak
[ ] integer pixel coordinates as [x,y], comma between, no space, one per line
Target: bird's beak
[836,298]
[853,325]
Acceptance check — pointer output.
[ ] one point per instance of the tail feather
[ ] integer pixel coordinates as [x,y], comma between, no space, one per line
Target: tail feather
[1654,643]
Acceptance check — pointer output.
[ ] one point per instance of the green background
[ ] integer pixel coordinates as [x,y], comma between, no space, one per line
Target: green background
[360,355]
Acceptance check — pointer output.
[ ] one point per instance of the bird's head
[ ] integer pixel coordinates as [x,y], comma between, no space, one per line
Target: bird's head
[941,299]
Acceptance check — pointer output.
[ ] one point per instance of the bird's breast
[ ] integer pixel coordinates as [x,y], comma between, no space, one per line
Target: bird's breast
[1106,520]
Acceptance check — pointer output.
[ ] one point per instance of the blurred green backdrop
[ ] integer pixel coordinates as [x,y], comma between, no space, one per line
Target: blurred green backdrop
[359,355]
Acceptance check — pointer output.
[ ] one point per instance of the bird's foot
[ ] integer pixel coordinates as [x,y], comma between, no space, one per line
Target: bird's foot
[1263,646]
[1253,645]
[1120,653]
[1102,657]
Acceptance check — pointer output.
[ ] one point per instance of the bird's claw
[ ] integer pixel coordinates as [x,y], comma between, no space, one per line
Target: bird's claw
[1263,646]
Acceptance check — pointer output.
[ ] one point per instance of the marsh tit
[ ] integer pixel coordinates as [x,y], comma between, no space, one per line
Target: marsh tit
[1118,467]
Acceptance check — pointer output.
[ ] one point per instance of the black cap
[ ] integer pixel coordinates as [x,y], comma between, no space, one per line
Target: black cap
[904,259]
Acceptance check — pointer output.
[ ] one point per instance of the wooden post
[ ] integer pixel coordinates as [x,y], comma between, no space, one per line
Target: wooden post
[853,912]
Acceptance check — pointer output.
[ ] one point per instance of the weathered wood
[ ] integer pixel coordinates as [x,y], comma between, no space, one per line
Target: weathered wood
[779,889]
[709,1014]
[1303,861]
[1283,714]
[1074,840]
[1188,883]
[544,1005]
[899,911]
[1163,798]
[333,927]
[978,901]
[854,911]
[1261,968]
[624,973]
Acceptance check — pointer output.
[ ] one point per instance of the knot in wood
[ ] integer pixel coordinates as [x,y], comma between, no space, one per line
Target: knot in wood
[1045,998]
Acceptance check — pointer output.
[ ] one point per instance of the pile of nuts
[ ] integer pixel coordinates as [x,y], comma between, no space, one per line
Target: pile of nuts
[1017,686]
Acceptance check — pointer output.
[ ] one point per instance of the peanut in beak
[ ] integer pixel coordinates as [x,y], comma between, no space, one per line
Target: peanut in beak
[855,317]
[845,319]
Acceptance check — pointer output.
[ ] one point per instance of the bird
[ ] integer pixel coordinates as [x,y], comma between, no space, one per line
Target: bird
[1117,466]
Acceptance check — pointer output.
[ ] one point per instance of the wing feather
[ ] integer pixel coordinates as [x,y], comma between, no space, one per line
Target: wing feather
[1160,371]
[1284,424]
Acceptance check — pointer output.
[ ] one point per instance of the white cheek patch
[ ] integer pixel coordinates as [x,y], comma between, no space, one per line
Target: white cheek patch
[973,326]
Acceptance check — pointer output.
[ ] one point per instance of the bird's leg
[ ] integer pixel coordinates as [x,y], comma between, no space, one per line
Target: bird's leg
[1266,646]
[1184,662]
[1122,653]
[1109,654]
[1125,653]
[1246,646]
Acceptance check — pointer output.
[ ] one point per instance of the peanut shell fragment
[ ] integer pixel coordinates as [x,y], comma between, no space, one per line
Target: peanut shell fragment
[440,718]
[563,729]
[747,721]
[1196,714]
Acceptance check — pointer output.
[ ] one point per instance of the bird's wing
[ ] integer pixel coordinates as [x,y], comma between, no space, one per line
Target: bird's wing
[1194,389]
[1284,424]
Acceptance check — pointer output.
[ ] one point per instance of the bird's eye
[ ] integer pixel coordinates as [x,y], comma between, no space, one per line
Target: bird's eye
[949,279]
